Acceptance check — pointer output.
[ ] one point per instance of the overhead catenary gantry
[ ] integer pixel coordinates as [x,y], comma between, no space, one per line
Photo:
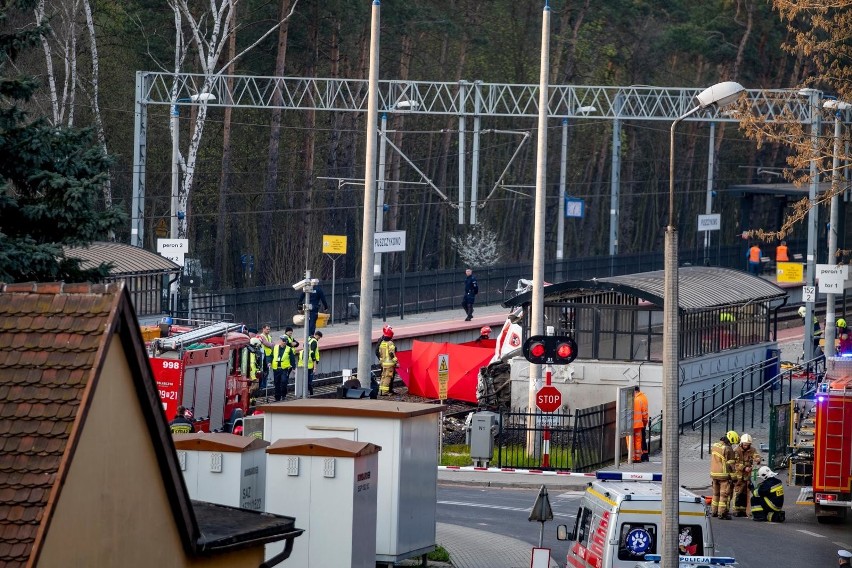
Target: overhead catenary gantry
[462,99]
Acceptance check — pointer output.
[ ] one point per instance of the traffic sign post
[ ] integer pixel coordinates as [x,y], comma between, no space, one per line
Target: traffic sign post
[333,246]
[548,398]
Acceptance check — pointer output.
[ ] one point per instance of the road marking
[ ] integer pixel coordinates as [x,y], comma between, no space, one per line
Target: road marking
[570,494]
[498,507]
[842,544]
[811,533]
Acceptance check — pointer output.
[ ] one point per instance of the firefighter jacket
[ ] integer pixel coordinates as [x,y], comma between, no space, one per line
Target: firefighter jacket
[722,460]
[745,461]
[767,497]
[313,349]
[386,351]
[255,360]
[640,410]
[281,357]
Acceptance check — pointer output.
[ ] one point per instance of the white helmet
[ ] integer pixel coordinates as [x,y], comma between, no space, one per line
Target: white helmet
[802,311]
[745,439]
[764,472]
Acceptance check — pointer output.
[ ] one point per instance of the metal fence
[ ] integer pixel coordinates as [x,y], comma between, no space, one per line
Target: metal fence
[779,435]
[582,441]
[431,290]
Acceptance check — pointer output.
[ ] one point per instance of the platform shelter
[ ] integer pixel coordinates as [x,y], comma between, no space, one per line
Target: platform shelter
[728,321]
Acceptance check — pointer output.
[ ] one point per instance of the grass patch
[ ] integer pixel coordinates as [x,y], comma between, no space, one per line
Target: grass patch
[516,455]
[440,554]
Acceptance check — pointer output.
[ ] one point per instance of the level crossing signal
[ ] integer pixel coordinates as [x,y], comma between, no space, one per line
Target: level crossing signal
[550,349]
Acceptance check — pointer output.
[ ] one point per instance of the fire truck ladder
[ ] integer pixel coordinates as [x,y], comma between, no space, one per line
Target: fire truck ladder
[178,341]
[835,442]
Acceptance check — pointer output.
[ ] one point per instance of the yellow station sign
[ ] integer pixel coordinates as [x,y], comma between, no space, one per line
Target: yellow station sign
[334,244]
[789,272]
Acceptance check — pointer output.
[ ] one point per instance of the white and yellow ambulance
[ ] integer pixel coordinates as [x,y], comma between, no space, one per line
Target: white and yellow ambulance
[620,517]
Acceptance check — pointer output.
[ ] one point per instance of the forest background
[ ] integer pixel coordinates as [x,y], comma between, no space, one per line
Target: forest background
[258,187]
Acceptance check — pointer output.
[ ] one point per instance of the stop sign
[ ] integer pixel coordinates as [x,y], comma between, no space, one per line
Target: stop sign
[548,398]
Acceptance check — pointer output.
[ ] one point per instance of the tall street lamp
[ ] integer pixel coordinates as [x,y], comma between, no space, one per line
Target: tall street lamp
[839,108]
[560,223]
[720,94]
[175,113]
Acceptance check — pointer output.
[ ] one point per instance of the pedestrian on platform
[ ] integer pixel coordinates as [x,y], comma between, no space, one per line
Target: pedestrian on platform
[386,352]
[722,463]
[767,499]
[313,358]
[471,289]
[317,297]
[746,459]
[844,558]
[282,362]
[266,340]
[844,338]
[640,425]
[781,254]
[753,255]
[181,424]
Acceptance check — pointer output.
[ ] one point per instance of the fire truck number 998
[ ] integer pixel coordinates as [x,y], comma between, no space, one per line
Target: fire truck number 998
[171,364]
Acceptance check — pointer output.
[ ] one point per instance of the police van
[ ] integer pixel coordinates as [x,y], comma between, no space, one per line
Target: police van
[620,517]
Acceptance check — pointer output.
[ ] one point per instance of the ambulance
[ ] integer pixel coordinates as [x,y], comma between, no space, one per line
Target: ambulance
[620,518]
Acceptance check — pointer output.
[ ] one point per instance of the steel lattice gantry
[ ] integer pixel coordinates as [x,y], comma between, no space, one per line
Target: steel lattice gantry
[463,99]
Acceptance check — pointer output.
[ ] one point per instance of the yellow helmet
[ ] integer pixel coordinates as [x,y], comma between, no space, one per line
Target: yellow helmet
[841,322]
[733,437]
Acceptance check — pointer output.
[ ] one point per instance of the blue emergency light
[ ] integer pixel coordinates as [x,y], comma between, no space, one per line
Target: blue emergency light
[713,560]
[629,476]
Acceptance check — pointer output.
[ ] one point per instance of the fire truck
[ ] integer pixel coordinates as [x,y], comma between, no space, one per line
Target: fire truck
[822,442]
[203,368]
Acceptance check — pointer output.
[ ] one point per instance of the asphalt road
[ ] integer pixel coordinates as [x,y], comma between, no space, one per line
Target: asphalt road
[800,542]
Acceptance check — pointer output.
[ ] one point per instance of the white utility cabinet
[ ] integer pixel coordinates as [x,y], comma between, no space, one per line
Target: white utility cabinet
[408,463]
[223,468]
[331,486]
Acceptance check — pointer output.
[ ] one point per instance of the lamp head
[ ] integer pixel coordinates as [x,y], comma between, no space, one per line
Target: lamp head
[834,104]
[587,109]
[720,94]
[202,97]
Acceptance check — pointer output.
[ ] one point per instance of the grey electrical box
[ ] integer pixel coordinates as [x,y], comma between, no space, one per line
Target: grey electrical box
[482,430]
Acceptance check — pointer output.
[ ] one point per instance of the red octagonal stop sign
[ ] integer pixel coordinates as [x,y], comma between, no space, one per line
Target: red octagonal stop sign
[548,398]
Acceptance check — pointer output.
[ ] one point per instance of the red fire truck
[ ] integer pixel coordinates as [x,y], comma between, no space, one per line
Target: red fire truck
[829,419]
[203,368]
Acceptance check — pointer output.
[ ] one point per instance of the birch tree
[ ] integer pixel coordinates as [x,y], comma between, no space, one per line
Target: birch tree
[68,22]
[206,29]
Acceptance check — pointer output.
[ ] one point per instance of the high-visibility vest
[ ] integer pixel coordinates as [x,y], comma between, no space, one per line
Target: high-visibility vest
[754,254]
[313,348]
[781,253]
[267,350]
[640,410]
[281,357]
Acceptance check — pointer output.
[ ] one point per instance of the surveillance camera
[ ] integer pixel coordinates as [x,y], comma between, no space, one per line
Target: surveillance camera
[305,283]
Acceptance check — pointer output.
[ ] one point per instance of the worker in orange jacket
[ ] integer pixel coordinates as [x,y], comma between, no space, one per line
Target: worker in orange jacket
[640,424]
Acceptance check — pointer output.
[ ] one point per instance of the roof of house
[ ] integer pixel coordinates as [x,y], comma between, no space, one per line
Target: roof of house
[699,288]
[125,259]
[53,341]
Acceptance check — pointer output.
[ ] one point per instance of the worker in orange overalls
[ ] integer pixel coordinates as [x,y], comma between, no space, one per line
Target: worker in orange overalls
[781,252]
[640,424]
[754,254]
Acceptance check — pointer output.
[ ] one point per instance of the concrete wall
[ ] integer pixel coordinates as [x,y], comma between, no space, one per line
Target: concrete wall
[587,383]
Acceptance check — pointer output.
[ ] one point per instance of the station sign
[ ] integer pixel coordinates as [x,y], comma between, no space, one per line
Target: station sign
[389,241]
[173,249]
[831,278]
[711,222]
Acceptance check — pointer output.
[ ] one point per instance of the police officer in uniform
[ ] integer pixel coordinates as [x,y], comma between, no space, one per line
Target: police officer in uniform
[844,558]
[281,365]
[767,499]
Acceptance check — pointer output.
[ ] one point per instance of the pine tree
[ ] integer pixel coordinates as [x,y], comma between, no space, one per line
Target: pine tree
[50,177]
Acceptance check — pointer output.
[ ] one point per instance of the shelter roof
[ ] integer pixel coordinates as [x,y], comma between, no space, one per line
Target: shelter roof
[54,340]
[125,259]
[700,287]
[776,189]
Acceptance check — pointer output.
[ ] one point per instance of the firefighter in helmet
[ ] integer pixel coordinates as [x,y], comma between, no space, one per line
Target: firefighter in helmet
[484,333]
[767,499]
[722,462]
[747,457]
[844,337]
[386,352]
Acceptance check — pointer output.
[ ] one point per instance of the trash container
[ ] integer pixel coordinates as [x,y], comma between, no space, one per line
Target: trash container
[773,366]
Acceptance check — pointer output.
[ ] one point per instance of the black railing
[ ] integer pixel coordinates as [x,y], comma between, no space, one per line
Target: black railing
[747,402]
[699,403]
[594,437]
[521,432]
